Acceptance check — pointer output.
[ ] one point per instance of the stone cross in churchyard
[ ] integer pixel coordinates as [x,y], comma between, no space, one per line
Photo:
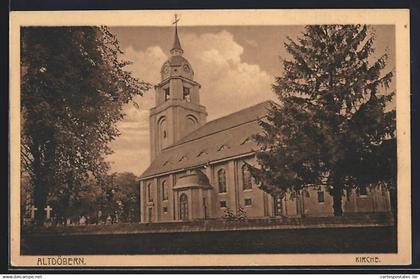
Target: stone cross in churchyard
[82,220]
[48,209]
[33,209]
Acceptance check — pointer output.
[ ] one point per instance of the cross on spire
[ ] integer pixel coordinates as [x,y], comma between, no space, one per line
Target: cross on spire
[176,19]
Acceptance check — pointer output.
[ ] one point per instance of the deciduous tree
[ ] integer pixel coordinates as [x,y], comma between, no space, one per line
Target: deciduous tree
[73,88]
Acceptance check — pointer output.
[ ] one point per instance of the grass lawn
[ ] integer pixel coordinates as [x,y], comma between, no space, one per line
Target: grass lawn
[323,240]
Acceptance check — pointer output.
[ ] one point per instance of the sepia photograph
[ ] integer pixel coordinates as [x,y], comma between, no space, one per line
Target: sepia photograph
[167,138]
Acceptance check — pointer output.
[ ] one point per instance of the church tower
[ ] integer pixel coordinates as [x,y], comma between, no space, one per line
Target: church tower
[177,109]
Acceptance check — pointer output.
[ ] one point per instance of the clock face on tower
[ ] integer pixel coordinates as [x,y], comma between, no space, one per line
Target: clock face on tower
[166,69]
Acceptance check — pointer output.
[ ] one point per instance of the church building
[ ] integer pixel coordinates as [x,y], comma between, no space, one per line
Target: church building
[198,168]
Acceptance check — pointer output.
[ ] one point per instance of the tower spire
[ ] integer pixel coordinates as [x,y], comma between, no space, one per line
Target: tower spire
[176,48]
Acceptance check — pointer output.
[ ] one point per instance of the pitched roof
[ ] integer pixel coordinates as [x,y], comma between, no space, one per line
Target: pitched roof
[219,139]
[177,43]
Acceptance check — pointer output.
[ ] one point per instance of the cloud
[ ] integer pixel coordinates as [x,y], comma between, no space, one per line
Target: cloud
[228,84]
[131,149]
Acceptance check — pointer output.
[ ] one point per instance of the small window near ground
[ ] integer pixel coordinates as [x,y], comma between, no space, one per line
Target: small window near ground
[248,202]
[321,197]
[223,204]
[165,209]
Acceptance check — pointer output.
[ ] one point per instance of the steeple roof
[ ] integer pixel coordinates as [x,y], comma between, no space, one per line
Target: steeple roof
[176,48]
[176,65]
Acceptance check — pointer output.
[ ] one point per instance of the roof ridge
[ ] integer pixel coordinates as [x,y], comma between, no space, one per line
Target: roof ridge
[238,111]
[181,141]
[178,143]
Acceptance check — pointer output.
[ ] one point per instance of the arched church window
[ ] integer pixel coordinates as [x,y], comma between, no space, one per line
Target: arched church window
[246,178]
[186,94]
[149,192]
[167,94]
[164,191]
[162,132]
[221,178]
[321,197]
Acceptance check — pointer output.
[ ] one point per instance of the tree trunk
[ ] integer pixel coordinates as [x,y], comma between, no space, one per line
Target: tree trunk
[337,200]
[39,193]
[393,201]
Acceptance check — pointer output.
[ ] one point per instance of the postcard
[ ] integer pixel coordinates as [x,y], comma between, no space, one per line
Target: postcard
[182,138]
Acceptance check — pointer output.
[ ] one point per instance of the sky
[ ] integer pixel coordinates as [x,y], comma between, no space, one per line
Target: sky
[235,65]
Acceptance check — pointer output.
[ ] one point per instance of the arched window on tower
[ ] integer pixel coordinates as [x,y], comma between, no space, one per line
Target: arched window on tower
[221,179]
[167,93]
[246,178]
[162,133]
[186,94]
[191,123]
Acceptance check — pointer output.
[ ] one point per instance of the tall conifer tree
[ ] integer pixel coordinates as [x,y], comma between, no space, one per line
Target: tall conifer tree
[334,125]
